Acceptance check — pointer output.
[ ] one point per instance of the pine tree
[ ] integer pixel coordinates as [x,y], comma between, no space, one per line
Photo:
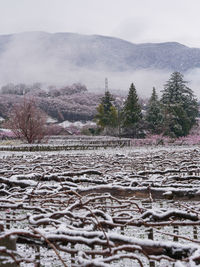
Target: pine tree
[179,105]
[154,115]
[132,114]
[106,112]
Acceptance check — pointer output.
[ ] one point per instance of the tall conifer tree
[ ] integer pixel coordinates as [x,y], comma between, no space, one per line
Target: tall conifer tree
[154,115]
[131,112]
[179,105]
[106,112]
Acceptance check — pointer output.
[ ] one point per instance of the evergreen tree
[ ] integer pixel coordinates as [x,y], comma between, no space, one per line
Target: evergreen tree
[180,107]
[106,112]
[154,115]
[132,114]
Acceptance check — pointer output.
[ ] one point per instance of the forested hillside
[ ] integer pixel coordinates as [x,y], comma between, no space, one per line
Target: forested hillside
[66,103]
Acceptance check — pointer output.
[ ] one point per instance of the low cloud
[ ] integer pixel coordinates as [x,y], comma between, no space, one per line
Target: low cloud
[28,60]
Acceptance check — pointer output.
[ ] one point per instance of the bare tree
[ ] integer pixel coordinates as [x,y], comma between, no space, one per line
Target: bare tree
[27,121]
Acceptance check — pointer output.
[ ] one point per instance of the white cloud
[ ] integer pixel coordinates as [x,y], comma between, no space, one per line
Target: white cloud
[134,20]
[25,61]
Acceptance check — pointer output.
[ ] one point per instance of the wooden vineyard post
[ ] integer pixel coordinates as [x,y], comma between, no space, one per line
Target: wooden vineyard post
[72,254]
[195,232]
[7,221]
[148,205]
[37,256]
[9,243]
[93,255]
[122,230]
[176,231]
[150,236]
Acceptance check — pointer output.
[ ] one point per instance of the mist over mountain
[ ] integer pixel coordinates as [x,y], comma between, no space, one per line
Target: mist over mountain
[69,57]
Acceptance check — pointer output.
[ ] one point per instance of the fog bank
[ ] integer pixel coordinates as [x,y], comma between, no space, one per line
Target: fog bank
[29,58]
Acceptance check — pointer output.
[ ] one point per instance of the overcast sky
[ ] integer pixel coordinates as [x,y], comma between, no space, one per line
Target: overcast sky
[134,20]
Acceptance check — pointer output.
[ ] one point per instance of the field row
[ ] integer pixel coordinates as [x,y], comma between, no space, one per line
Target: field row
[116,207]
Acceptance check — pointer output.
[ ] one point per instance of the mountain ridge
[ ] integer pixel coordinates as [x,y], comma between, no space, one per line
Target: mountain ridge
[48,57]
[93,35]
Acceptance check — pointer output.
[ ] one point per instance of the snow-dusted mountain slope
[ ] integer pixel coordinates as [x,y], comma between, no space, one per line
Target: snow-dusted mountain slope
[94,52]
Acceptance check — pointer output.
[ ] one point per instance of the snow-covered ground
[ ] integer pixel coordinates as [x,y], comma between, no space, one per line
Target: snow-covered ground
[107,207]
[78,124]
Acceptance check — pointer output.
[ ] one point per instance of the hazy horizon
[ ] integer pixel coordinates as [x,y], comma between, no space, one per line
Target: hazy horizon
[25,61]
[135,21]
[93,34]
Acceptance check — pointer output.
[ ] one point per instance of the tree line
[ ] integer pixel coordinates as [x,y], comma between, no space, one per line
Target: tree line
[38,89]
[174,114]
